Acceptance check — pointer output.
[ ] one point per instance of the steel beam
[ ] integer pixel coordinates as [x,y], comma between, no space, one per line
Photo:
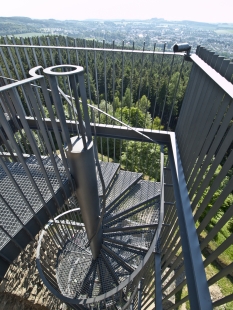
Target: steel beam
[110,131]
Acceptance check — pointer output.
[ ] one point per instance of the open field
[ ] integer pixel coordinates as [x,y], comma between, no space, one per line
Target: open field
[30,34]
[224,31]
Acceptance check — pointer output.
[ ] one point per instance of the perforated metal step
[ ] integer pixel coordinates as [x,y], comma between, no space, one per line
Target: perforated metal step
[109,171]
[124,181]
[22,212]
[141,193]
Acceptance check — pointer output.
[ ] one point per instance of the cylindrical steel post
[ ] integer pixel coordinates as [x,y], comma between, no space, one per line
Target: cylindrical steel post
[83,169]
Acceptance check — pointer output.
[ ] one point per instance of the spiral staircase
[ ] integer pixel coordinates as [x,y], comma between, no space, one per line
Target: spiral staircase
[103,223]
[129,225]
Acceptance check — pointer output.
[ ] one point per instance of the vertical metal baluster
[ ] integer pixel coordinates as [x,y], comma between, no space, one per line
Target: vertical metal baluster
[174,96]
[59,51]
[114,150]
[8,106]
[42,53]
[50,52]
[140,81]
[165,97]
[158,87]
[101,148]
[81,126]
[122,78]
[34,52]
[44,135]
[96,81]
[108,148]
[63,78]
[131,82]
[113,77]
[59,108]
[105,83]
[82,90]
[139,295]
[87,71]
[74,111]
[7,145]
[26,53]
[45,65]
[150,82]
[19,58]
[55,128]
[76,51]
[11,58]
[68,51]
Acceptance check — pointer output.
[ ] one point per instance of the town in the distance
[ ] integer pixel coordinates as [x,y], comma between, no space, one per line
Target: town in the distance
[217,36]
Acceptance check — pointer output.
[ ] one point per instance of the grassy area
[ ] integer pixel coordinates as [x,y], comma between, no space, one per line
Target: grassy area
[227,256]
[224,31]
[224,284]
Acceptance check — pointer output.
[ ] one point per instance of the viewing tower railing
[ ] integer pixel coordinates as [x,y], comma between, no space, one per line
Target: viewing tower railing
[196,132]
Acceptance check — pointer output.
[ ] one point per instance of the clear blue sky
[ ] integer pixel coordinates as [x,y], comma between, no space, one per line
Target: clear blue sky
[197,10]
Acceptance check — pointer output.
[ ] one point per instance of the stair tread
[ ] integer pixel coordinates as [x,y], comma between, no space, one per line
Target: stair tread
[142,192]
[147,213]
[138,238]
[129,256]
[118,269]
[123,182]
[77,259]
[8,191]
[109,171]
[46,161]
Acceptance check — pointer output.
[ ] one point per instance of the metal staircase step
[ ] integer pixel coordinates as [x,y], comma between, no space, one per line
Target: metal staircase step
[46,161]
[124,181]
[146,213]
[23,218]
[139,194]
[109,171]
[129,255]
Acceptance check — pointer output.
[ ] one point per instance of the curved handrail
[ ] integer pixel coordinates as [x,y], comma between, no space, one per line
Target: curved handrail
[124,283]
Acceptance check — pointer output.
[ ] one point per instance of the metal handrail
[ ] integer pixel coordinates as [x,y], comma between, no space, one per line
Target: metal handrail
[92,49]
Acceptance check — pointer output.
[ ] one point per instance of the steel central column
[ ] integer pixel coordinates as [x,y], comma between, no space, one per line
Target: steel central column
[83,169]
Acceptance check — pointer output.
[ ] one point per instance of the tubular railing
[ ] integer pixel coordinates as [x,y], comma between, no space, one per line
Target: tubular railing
[119,81]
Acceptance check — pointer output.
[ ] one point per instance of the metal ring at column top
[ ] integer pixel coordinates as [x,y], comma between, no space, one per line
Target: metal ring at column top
[76,70]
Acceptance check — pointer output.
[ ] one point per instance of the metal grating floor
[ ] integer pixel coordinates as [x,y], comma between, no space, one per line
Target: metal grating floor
[13,208]
[14,211]
[109,170]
